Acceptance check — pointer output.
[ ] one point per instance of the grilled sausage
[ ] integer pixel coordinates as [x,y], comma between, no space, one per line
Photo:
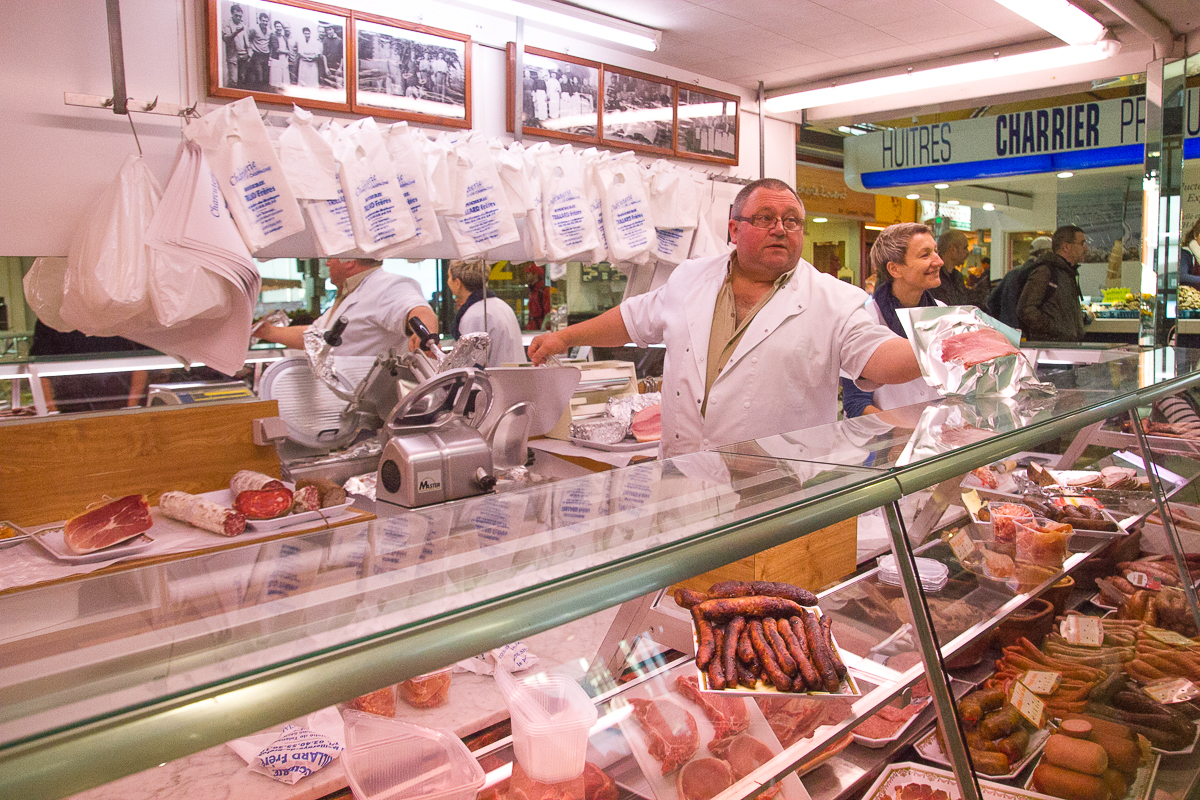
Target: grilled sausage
[827,628]
[730,589]
[688,598]
[716,672]
[745,650]
[785,590]
[733,633]
[821,657]
[726,608]
[791,630]
[779,646]
[706,645]
[766,657]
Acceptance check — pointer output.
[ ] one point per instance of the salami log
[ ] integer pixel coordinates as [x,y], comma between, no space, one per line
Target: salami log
[264,503]
[201,513]
[247,480]
[331,493]
[306,499]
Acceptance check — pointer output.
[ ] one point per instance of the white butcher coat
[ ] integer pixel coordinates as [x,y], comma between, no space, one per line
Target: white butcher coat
[782,377]
[377,310]
[502,327]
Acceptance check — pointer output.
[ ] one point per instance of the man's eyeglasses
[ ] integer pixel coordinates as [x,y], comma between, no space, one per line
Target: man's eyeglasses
[767,222]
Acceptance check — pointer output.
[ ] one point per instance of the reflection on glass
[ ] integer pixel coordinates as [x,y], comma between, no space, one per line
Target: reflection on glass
[707,124]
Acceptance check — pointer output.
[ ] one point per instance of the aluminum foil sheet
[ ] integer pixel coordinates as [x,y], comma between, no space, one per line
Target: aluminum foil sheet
[602,430]
[1004,375]
[623,408]
[469,351]
[952,424]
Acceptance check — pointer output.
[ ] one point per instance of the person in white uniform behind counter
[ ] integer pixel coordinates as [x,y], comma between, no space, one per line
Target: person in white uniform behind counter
[755,339]
[907,268]
[377,305]
[479,314]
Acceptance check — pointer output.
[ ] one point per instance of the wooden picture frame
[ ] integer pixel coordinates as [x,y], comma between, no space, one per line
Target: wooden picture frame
[408,71]
[638,112]
[704,136]
[263,42]
[560,95]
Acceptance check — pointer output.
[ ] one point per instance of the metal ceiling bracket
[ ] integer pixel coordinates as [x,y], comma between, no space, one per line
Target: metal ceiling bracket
[116,57]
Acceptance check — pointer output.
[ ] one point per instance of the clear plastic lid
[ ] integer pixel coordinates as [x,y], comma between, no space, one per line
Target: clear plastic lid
[548,703]
[388,758]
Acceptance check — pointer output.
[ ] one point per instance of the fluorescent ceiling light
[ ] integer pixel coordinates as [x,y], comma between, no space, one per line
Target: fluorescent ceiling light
[820,219]
[912,196]
[989,207]
[952,202]
[1066,174]
[941,186]
[851,131]
[971,72]
[1060,18]
[577,20]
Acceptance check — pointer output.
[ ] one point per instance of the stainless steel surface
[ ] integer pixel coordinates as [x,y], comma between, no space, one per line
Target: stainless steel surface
[547,389]
[433,465]
[314,414]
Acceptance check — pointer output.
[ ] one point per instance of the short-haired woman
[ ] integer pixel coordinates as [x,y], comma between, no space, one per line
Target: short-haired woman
[488,314]
[906,266]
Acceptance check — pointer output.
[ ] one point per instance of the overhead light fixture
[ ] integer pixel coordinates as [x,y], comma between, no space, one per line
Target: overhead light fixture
[851,131]
[952,202]
[913,196]
[820,219]
[1066,174]
[576,20]
[989,207]
[1059,18]
[941,186]
[971,72]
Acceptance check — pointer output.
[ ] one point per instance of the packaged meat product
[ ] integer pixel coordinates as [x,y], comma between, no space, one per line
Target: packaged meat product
[1004,518]
[976,347]
[426,691]
[109,524]
[264,503]
[381,702]
[202,513]
[1042,541]
[246,480]
[602,430]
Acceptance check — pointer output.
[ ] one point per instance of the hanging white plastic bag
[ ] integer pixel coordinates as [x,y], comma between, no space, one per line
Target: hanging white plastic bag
[307,159]
[330,219]
[534,238]
[628,229]
[569,227]
[438,168]
[510,163]
[409,162]
[240,154]
[674,200]
[707,243]
[588,160]
[487,221]
[108,268]
[44,291]
[671,245]
[378,211]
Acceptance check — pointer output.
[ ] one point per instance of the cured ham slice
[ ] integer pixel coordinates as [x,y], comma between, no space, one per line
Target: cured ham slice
[109,524]
[703,779]
[975,347]
[671,733]
[728,715]
[647,424]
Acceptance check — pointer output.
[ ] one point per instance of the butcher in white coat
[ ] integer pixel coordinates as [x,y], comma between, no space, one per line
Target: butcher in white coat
[755,339]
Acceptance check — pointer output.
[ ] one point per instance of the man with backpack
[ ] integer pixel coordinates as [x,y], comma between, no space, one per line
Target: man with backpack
[1006,294]
[1049,309]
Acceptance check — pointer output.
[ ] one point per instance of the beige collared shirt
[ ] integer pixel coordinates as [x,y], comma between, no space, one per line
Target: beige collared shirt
[726,332]
[349,286]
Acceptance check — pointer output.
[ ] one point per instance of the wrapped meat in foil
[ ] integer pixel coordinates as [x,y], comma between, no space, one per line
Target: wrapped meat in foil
[601,430]
[623,408]
[952,424]
[962,351]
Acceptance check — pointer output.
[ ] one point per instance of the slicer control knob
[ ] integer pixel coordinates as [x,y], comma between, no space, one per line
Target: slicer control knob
[485,481]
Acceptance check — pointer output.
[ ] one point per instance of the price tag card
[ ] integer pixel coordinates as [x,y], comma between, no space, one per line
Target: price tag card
[1041,682]
[1169,637]
[1029,704]
[1086,631]
[971,500]
[1172,690]
[1117,295]
[1143,581]
[962,545]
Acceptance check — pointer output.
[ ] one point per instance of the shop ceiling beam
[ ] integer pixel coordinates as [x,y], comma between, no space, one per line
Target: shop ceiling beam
[1142,20]
[116,57]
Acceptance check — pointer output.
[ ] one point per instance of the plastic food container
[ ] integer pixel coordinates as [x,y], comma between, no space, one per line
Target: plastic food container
[1042,542]
[551,718]
[426,691]
[381,702]
[1003,517]
[388,758]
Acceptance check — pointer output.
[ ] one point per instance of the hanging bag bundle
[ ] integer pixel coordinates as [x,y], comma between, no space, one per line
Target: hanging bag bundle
[567,218]
[626,209]
[409,162]
[486,221]
[378,211]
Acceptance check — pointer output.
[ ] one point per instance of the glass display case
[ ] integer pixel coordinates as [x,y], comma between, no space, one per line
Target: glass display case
[108,674]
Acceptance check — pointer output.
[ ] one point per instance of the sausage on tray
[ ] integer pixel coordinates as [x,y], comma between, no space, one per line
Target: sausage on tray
[730,589]
[827,629]
[822,659]
[745,650]
[688,598]
[808,673]
[786,590]
[264,503]
[706,646]
[779,647]
[726,608]
[716,672]
[202,513]
[766,657]
[729,659]
[331,493]
[247,480]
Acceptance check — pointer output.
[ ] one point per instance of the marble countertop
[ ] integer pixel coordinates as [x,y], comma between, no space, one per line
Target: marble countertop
[475,703]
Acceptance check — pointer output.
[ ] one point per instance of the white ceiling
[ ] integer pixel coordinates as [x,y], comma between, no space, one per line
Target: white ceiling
[791,43]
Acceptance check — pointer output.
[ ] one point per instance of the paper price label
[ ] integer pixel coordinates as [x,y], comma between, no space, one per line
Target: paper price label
[1117,295]
[1172,690]
[1143,581]
[962,545]
[1029,704]
[1169,637]
[1086,631]
[1041,682]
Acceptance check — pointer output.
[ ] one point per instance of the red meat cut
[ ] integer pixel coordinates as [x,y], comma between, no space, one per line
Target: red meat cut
[975,347]
[647,424]
[671,732]
[597,784]
[744,754]
[108,524]
[728,715]
[703,779]
[887,721]
[523,787]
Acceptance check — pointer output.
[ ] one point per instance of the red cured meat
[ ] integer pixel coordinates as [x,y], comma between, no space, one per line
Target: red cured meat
[671,732]
[647,424]
[744,754]
[108,524]
[264,503]
[728,715]
[703,779]
[975,347]
[598,785]
[306,499]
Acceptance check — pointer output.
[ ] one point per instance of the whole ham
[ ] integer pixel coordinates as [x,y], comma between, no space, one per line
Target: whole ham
[671,732]
[977,346]
[647,424]
[108,524]
[728,715]
[703,779]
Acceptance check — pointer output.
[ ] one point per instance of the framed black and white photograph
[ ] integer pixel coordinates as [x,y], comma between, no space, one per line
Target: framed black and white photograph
[410,71]
[559,95]
[707,125]
[639,111]
[278,52]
